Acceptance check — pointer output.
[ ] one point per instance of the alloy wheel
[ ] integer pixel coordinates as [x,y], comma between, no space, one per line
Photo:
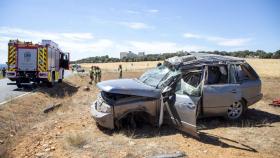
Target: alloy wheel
[235,110]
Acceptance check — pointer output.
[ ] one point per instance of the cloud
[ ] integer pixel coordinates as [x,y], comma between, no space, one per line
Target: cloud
[80,45]
[132,11]
[136,25]
[190,35]
[221,41]
[160,47]
[149,11]
[234,42]
[152,11]
[37,35]
[84,44]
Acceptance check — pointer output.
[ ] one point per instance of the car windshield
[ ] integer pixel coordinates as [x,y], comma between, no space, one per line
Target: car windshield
[157,76]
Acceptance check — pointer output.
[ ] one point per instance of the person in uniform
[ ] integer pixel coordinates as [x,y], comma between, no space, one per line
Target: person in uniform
[159,64]
[95,74]
[98,71]
[91,74]
[120,71]
[4,72]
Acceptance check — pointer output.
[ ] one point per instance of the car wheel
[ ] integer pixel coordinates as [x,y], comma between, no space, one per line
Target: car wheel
[235,110]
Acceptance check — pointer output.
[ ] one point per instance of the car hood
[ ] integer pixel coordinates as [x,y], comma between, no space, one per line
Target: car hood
[129,87]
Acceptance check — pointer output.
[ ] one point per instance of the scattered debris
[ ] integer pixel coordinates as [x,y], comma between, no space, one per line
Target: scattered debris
[86,146]
[39,154]
[1,141]
[52,148]
[178,154]
[47,149]
[45,145]
[51,107]
[86,88]
[275,102]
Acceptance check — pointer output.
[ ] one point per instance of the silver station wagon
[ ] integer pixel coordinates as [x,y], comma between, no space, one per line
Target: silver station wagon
[179,91]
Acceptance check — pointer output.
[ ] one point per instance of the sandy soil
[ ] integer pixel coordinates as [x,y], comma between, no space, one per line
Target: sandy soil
[69,131]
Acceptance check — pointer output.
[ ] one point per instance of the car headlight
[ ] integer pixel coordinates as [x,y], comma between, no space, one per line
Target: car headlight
[100,107]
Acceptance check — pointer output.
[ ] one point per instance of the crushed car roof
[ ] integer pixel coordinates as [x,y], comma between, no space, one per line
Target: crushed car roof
[200,59]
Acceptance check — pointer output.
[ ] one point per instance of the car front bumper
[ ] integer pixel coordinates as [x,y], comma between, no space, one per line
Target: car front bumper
[103,119]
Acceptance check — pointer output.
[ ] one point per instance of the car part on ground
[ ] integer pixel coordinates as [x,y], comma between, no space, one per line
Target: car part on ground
[275,102]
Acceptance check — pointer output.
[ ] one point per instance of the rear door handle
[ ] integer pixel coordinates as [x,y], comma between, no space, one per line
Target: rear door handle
[233,91]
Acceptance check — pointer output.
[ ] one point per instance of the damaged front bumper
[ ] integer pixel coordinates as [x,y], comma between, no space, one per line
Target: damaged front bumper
[104,119]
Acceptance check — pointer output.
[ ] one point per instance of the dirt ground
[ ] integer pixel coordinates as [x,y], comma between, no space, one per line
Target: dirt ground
[69,131]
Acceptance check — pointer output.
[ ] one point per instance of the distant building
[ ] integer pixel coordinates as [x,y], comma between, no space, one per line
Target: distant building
[140,54]
[128,54]
[123,54]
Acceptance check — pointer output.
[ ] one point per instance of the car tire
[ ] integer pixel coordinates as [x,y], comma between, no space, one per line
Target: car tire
[236,110]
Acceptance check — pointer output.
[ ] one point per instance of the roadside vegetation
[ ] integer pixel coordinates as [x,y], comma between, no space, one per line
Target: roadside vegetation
[158,57]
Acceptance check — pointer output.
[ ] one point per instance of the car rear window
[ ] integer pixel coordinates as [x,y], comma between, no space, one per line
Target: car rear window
[246,72]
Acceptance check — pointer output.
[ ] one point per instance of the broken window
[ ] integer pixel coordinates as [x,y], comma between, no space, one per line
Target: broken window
[232,73]
[217,74]
[245,72]
[154,76]
[190,84]
[159,77]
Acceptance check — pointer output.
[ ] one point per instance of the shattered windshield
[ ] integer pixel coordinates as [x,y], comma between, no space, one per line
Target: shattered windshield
[157,76]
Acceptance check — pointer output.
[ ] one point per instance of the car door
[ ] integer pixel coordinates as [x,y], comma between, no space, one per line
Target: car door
[219,95]
[182,107]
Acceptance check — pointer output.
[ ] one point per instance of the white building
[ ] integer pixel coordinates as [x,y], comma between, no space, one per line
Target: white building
[140,54]
[123,54]
[128,54]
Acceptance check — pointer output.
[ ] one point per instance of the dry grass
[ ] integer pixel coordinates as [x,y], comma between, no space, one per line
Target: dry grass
[76,139]
[266,67]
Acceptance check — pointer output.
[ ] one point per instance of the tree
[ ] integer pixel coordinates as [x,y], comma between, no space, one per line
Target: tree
[276,55]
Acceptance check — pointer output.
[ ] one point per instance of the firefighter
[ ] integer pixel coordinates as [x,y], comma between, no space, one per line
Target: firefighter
[91,74]
[95,74]
[98,71]
[4,72]
[120,71]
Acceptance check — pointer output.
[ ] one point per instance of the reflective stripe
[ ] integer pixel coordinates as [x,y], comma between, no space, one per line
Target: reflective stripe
[12,56]
[42,59]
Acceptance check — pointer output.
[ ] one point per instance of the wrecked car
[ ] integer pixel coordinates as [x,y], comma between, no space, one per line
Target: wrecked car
[180,90]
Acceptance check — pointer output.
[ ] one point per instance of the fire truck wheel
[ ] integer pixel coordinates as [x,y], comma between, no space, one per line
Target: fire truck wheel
[53,78]
[18,84]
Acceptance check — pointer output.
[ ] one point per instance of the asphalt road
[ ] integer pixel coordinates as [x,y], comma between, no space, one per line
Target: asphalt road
[8,92]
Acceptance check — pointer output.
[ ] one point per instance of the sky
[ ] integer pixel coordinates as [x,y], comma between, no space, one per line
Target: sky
[92,28]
